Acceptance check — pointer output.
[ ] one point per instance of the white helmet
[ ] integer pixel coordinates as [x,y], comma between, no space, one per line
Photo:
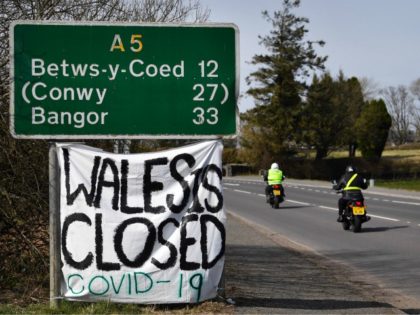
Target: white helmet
[274,166]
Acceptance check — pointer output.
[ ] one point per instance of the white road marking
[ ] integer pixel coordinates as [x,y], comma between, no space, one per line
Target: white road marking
[299,202]
[323,185]
[328,208]
[385,218]
[242,191]
[372,215]
[230,184]
[406,203]
[331,208]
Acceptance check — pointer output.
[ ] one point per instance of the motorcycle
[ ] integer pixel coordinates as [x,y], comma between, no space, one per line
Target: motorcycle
[354,214]
[276,195]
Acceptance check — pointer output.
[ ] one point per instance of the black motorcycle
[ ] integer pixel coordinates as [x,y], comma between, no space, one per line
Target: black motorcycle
[276,195]
[354,215]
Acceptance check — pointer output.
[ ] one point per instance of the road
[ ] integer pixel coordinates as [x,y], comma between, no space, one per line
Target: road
[387,249]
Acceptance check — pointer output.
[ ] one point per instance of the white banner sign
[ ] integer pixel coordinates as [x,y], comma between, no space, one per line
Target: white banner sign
[142,228]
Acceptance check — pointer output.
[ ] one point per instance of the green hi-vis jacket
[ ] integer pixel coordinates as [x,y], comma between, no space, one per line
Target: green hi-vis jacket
[275,176]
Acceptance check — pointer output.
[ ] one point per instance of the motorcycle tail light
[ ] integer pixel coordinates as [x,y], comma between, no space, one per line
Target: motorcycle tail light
[276,186]
[358,203]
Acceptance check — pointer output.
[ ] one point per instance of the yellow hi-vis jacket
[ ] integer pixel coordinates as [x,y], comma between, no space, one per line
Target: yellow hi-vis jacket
[275,176]
[349,186]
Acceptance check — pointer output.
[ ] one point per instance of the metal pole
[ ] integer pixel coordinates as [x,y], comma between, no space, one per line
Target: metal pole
[221,288]
[54,227]
[122,146]
[126,146]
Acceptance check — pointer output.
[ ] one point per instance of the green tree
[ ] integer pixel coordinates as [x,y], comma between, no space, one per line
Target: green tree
[277,84]
[349,96]
[321,116]
[330,113]
[372,129]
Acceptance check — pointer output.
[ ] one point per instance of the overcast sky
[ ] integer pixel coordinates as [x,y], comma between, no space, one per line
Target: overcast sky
[376,39]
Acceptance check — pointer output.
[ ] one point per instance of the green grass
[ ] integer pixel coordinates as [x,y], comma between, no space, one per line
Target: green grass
[67,307]
[74,308]
[399,184]
[402,154]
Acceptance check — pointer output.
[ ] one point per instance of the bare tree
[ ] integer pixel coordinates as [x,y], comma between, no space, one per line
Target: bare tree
[415,90]
[165,11]
[370,88]
[415,114]
[400,105]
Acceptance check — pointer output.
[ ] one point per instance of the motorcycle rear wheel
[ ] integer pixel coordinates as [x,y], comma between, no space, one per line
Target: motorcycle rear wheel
[276,202]
[357,224]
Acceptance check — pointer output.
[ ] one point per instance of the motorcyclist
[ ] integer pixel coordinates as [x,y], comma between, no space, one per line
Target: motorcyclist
[274,176]
[351,184]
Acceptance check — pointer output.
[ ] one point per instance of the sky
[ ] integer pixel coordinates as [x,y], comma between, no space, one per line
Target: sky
[374,39]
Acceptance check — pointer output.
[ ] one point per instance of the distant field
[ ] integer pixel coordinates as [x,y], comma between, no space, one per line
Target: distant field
[403,154]
[412,156]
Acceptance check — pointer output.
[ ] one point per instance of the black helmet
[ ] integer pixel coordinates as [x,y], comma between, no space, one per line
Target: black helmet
[350,169]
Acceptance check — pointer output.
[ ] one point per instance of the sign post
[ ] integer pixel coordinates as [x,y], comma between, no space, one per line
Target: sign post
[54,226]
[126,81]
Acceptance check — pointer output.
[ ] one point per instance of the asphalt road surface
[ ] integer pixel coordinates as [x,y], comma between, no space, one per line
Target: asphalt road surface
[387,249]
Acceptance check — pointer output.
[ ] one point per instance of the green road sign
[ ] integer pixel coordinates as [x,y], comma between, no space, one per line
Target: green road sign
[97,80]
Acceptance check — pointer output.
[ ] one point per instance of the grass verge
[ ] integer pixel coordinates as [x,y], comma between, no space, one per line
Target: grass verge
[399,184]
[66,307]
